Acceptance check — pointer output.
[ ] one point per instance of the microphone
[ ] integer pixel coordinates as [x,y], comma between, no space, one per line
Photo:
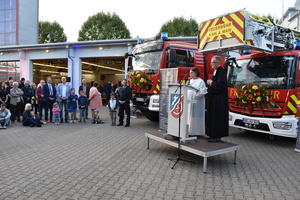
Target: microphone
[180,81]
[188,80]
[187,72]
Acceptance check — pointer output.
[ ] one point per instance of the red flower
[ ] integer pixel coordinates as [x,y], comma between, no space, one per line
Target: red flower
[258,93]
[250,84]
[251,96]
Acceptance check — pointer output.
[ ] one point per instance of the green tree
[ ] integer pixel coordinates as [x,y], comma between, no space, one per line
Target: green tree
[180,27]
[103,26]
[51,32]
[271,18]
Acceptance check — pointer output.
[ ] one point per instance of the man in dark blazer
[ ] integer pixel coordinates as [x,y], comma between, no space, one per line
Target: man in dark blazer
[86,89]
[124,95]
[49,92]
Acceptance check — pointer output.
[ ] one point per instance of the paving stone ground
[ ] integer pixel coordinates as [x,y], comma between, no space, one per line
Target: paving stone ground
[87,161]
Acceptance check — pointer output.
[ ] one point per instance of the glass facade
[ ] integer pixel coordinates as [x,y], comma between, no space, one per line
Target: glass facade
[8,22]
[10,69]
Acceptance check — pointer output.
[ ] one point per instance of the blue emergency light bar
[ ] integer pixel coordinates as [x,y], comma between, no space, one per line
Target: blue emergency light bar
[164,35]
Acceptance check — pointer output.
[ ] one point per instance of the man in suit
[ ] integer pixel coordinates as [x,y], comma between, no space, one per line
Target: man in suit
[108,90]
[86,89]
[49,93]
[124,95]
[63,93]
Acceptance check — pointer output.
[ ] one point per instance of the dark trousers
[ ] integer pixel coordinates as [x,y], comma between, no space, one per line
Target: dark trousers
[124,107]
[41,106]
[30,121]
[35,108]
[16,111]
[48,108]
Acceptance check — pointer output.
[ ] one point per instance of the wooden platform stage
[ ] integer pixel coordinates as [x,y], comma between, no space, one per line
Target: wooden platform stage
[199,147]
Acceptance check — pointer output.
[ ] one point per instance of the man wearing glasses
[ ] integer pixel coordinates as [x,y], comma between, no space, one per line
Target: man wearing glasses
[217,103]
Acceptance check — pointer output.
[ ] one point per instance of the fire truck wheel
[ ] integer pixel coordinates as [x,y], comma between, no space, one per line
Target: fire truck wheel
[152,116]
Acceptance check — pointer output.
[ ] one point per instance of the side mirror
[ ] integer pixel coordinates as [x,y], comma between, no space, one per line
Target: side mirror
[126,55]
[172,58]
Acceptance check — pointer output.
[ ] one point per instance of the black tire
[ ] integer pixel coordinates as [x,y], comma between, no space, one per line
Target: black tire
[152,116]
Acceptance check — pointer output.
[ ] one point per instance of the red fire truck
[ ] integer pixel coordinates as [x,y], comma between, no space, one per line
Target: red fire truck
[149,56]
[263,83]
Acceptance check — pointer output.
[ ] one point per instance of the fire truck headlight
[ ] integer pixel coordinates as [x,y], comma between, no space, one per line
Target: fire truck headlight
[155,100]
[230,117]
[282,125]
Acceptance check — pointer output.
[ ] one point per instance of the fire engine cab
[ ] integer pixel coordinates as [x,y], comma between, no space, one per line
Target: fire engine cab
[264,82]
[151,55]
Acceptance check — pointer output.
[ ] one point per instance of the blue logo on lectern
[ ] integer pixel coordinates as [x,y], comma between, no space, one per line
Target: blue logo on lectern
[176,105]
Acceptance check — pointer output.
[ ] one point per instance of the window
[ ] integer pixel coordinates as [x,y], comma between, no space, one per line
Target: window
[8,69]
[8,22]
[184,58]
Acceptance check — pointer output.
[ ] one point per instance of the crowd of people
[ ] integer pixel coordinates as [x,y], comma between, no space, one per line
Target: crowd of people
[48,103]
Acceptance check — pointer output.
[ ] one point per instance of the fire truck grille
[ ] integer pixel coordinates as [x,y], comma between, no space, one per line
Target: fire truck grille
[272,113]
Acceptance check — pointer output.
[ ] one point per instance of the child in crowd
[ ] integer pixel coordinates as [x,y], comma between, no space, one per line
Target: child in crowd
[73,104]
[32,115]
[112,106]
[4,116]
[82,104]
[95,117]
[56,112]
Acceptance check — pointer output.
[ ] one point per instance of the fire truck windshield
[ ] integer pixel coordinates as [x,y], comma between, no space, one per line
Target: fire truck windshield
[148,62]
[276,72]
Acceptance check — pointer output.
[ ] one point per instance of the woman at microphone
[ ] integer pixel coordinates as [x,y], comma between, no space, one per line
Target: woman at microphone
[196,116]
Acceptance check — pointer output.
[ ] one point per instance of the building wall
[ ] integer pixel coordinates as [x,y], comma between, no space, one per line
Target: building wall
[18,22]
[74,55]
[290,18]
[28,22]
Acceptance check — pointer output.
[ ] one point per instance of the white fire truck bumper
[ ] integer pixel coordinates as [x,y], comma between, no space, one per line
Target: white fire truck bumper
[285,126]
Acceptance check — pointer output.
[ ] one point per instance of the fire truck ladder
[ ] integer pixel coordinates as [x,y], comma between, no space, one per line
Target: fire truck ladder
[243,31]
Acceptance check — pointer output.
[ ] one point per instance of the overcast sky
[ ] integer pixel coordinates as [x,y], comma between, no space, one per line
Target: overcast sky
[144,18]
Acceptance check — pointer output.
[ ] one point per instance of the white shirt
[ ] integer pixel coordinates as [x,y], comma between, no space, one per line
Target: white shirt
[50,89]
[63,90]
[112,103]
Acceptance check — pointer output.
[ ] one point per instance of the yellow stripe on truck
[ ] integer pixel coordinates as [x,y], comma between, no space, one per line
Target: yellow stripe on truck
[292,107]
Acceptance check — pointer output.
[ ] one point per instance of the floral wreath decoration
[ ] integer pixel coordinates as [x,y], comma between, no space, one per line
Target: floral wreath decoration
[252,96]
[140,81]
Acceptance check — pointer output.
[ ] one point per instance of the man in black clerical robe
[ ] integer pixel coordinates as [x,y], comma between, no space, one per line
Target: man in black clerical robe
[217,103]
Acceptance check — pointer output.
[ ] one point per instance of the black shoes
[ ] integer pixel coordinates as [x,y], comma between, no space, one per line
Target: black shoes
[213,140]
[127,125]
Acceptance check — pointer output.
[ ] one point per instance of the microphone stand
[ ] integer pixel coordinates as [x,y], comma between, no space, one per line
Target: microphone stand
[177,159]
